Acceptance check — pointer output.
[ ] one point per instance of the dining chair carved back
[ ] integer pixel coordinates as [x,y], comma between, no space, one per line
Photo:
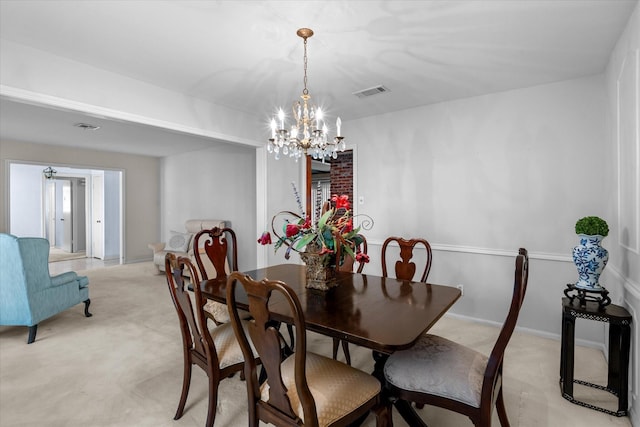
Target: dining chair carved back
[215,349]
[404,268]
[349,264]
[303,388]
[218,245]
[443,373]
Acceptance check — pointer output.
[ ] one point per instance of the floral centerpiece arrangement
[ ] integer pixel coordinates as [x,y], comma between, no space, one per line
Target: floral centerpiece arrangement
[323,244]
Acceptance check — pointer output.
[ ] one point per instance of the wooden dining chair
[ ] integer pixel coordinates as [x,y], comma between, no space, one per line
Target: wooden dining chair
[349,264]
[215,350]
[405,269]
[214,244]
[440,372]
[304,389]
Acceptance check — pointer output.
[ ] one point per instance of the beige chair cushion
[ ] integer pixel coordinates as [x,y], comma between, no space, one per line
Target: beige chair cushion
[218,310]
[438,366]
[226,343]
[338,389]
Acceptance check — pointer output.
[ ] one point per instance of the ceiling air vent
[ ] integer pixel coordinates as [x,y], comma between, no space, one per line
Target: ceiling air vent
[86,126]
[371,91]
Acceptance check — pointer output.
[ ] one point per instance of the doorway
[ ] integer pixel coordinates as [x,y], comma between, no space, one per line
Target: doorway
[63,209]
[333,176]
[65,213]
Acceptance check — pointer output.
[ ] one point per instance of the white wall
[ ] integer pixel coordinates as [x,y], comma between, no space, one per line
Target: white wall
[481,177]
[26,212]
[623,270]
[216,183]
[112,214]
[141,187]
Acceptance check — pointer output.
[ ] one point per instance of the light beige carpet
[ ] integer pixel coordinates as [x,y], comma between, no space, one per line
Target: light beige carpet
[56,255]
[123,367]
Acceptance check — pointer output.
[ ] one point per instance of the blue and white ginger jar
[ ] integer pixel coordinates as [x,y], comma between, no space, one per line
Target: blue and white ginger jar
[590,259]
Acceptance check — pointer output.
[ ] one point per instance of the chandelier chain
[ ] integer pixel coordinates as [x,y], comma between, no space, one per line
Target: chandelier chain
[305,91]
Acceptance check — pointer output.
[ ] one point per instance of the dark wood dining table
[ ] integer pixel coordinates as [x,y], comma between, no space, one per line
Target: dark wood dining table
[383,314]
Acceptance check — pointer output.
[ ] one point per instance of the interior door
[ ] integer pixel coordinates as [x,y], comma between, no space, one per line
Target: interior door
[97,209]
[64,216]
[50,212]
[67,216]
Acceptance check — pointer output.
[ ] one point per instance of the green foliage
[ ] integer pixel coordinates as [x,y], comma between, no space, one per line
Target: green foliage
[591,226]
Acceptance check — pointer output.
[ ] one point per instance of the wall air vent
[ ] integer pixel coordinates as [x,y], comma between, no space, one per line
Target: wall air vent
[86,126]
[371,91]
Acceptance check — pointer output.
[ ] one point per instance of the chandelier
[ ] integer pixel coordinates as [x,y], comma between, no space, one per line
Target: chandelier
[49,173]
[309,134]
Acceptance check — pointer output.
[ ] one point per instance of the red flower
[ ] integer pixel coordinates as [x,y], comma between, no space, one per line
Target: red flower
[307,224]
[362,257]
[292,230]
[325,250]
[265,238]
[340,201]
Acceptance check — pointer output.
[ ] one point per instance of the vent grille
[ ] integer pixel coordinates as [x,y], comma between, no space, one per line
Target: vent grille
[86,126]
[371,91]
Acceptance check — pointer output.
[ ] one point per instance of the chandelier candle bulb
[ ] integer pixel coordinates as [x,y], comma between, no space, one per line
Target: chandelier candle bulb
[281,117]
[338,126]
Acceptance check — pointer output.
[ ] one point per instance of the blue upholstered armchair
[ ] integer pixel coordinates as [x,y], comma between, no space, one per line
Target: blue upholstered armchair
[28,294]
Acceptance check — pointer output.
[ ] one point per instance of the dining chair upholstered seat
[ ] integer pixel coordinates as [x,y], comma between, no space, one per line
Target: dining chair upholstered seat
[227,347]
[214,349]
[439,372]
[336,388]
[455,371]
[303,388]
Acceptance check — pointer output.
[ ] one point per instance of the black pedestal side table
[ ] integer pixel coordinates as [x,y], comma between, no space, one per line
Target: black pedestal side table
[619,321]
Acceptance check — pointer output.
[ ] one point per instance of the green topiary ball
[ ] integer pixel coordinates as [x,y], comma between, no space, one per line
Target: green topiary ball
[592,226]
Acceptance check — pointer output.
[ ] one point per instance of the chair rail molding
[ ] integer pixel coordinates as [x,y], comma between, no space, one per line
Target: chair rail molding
[485,251]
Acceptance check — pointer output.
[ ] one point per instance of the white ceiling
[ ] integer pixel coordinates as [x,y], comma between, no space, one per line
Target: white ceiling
[245,54]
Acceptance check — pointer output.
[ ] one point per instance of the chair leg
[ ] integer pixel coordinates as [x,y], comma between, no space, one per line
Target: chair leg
[86,308]
[347,355]
[336,344]
[186,381]
[345,349]
[383,414]
[291,339]
[32,333]
[213,400]
[502,411]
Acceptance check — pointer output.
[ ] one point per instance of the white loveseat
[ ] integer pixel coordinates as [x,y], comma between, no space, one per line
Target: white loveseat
[181,243]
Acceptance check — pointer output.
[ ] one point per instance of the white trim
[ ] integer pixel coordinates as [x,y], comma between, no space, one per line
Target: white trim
[486,251]
[261,203]
[635,249]
[39,99]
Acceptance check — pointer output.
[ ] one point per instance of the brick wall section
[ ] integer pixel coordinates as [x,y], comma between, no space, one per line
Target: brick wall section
[342,175]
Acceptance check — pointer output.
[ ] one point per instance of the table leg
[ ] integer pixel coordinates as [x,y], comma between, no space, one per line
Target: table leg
[407,412]
[625,346]
[613,374]
[568,341]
